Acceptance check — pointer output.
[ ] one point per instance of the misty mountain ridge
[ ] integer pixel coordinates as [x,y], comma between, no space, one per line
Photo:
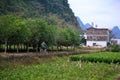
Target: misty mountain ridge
[82,25]
[116,32]
[87,25]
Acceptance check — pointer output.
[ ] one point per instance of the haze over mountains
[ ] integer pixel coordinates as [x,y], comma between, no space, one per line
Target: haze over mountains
[82,25]
[115,30]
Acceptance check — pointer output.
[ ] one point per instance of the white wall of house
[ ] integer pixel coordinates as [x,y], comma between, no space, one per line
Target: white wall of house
[99,43]
[117,40]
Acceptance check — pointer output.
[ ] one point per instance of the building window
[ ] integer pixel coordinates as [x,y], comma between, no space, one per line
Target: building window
[94,44]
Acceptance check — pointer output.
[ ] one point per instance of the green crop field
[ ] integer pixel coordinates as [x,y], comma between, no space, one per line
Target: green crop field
[106,57]
[61,68]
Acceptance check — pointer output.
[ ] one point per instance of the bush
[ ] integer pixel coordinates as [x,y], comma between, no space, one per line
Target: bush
[101,57]
[74,58]
[115,48]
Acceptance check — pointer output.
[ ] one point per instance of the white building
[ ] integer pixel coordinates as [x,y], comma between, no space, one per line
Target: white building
[115,41]
[97,37]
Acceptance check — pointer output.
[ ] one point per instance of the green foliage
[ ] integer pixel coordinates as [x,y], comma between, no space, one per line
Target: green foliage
[59,68]
[67,37]
[38,21]
[14,31]
[21,33]
[41,31]
[39,9]
[8,26]
[98,57]
[75,58]
[115,48]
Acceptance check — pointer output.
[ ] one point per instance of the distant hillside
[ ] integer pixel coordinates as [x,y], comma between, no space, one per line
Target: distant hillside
[116,32]
[87,25]
[56,12]
[81,24]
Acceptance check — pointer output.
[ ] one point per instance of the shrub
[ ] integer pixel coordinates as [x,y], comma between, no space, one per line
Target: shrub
[74,58]
[115,48]
[101,57]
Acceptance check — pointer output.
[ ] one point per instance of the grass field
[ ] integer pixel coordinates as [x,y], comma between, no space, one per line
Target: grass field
[57,68]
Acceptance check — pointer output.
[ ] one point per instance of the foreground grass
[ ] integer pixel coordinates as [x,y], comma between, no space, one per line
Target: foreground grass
[60,68]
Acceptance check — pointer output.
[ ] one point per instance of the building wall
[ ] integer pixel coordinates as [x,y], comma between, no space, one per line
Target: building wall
[96,36]
[97,43]
[115,41]
[118,41]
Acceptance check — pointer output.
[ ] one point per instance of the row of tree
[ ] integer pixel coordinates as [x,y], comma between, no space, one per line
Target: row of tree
[18,32]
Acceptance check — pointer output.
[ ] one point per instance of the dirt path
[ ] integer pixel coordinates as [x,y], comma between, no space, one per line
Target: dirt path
[117,78]
[11,56]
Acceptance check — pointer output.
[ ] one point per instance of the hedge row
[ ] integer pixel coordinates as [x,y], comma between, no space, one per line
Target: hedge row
[104,57]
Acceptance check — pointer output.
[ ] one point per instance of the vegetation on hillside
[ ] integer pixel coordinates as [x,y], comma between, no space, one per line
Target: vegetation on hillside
[53,11]
[25,23]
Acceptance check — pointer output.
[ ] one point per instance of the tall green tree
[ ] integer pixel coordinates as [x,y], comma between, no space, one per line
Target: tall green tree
[67,37]
[21,33]
[74,36]
[34,27]
[41,31]
[6,28]
[47,34]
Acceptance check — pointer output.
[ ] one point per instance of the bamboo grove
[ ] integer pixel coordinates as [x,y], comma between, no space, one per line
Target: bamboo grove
[18,34]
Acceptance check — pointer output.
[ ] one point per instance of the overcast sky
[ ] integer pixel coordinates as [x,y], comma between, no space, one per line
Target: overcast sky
[104,13]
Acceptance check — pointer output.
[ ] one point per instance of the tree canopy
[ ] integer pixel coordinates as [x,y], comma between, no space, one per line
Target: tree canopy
[15,30]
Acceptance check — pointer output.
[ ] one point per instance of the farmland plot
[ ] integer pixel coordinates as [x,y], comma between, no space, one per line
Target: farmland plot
[61,68]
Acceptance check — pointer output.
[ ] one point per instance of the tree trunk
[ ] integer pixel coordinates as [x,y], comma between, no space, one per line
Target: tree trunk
[5,45]
[67,48]
[74,47]
[52,48]
[10,47]
[24,46]
[37,48]
[27,47]
[17,48]
[57,48]
[60,48]
[21,46]
[14,47]
[0,46]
